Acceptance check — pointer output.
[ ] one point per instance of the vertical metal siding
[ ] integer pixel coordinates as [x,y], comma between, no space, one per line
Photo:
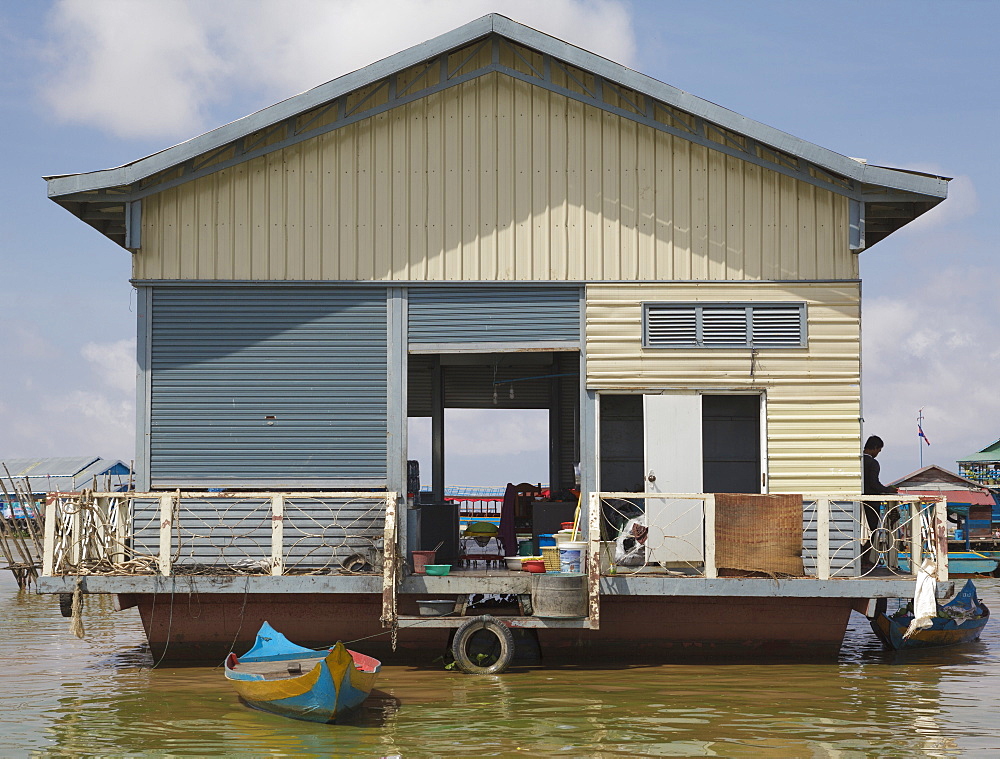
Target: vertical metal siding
[493,314]
[225,360]
[495,180]
[813,393]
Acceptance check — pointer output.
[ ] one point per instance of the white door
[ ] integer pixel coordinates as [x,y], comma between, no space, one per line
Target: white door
[673,458]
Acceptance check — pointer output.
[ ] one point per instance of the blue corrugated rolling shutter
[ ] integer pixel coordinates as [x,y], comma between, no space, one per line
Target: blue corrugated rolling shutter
[464,314]
[281,386]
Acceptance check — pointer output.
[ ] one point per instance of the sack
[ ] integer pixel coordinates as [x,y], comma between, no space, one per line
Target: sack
[630,545]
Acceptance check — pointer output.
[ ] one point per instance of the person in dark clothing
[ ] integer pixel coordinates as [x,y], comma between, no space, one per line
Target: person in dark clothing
[873,486]
[871,468]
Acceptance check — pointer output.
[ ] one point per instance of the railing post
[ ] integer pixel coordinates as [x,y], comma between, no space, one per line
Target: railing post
[823,538]
[49,547]
[277,534]
[939,537]
[711,571]
[389,555]
[166,520]
[76,532]
[122,528]
[916,545]
[594,559]
[102,528]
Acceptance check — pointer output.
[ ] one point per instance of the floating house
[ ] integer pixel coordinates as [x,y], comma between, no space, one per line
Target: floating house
[972,502]
[41,476]
[983,467]
[494,209]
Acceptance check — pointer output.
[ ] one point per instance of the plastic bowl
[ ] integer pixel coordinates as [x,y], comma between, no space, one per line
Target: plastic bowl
[436,608]
[533,565]
[513,562]
[437,569]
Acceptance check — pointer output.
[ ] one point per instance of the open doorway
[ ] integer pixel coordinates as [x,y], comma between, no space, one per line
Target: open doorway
[485,448]
[480,424]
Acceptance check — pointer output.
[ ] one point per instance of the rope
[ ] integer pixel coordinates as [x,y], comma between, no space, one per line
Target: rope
[76,622]
[170,625]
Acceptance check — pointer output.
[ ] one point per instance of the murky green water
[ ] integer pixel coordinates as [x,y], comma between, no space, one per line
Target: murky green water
[60,696]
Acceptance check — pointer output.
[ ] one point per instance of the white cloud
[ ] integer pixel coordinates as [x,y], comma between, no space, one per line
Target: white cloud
[962,203]
[114,363]
[934,349]
[93,423]
[156,67]
[484,432]
[132,68]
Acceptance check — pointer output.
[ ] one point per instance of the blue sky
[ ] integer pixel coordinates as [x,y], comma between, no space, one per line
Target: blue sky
[90,84]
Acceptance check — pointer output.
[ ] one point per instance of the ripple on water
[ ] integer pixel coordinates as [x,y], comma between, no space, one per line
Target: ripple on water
[63,696]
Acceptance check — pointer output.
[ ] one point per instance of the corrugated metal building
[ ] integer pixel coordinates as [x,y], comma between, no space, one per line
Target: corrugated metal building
[676,283]
[292,265]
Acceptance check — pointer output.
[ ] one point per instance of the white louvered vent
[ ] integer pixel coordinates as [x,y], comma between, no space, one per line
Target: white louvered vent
[671,326]
[723,326]
[777,326]
[730,325]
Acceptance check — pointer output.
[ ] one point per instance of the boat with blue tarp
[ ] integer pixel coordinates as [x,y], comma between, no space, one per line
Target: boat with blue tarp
[283,678]
[961,620]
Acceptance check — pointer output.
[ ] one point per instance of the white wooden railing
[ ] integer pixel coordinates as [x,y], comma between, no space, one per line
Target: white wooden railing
[836,536]
[177,532]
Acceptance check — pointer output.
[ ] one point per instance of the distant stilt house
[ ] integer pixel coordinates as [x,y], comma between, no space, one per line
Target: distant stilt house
[66,474]
[495,219]
[983,467]
[27,487]
[971,500]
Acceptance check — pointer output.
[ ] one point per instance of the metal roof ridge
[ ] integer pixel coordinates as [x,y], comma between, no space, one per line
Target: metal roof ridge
[62,184]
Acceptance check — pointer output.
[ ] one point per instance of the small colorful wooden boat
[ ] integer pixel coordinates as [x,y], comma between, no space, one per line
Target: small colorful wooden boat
[962,563]
[283,678]
[961,620]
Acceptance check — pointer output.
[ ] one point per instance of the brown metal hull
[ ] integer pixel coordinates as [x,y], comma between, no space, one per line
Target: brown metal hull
[206,627]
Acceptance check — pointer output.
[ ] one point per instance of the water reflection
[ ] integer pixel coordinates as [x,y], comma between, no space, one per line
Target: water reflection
[65,697]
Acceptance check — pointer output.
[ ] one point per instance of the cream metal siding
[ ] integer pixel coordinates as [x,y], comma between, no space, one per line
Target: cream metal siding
[495,179]
[813,394]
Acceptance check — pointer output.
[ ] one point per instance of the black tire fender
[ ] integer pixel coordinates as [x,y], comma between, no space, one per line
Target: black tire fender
[464,634]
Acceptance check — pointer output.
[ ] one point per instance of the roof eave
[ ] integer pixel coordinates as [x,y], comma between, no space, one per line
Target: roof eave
[919,192]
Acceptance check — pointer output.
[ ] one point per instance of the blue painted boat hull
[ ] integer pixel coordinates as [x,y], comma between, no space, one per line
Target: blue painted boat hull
[280,677]
[961,563]
[891,629]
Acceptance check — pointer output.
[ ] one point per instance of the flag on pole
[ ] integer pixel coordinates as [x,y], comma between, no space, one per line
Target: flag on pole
[920,433]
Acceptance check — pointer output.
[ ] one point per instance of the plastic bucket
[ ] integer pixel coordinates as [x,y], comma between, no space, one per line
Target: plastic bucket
[525,548]
[572,556]
[421,559]
[546,540]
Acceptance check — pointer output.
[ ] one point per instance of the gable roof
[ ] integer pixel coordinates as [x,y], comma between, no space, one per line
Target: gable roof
[934,477]
[989,453]
[889,198]
[62,474]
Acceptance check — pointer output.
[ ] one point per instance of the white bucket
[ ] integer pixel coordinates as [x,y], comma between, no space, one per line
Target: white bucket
[571,556]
